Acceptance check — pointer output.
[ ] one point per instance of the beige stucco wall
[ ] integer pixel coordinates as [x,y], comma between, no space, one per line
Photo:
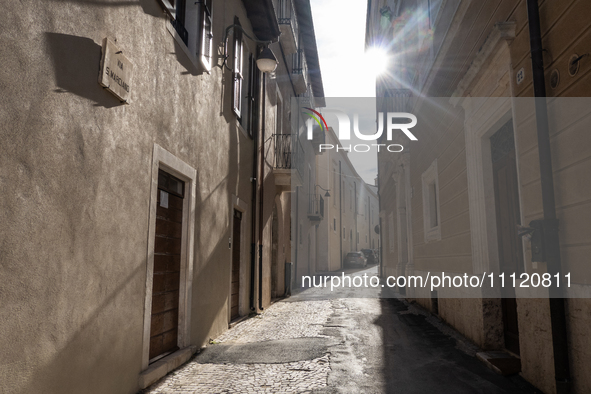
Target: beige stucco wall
[339,209]
[304,231]
[76,175]
[443,140]
[565,29]
[571,171]
[388,229]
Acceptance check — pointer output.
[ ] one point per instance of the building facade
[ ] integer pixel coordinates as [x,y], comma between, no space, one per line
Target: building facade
[350,213]
[144,206]
[453,200]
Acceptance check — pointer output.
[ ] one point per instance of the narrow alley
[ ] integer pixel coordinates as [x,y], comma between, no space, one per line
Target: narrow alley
[182,182]
[314,342]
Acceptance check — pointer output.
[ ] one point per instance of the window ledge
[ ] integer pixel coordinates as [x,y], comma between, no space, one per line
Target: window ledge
[192,58]
[162,367]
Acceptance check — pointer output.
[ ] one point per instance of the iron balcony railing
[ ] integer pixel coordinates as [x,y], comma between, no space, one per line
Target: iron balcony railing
[396,100]
[299,65]
[307,98]
[284,154]
[286,15]
[289,153]
[316,207]
[299,71]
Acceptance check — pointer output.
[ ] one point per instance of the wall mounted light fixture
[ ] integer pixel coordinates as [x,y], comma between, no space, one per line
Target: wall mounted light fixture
[327,191]
[266,60]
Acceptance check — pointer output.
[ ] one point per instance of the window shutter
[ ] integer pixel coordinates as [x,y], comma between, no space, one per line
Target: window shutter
[252,84]
[206,41]
[238,77]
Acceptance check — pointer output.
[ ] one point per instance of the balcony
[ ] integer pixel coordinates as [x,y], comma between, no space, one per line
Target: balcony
[307,99]
[299,72]
[288,24]
[316,208]
[288,161]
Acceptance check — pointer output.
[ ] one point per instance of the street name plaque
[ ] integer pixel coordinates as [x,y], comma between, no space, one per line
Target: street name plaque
[116,71]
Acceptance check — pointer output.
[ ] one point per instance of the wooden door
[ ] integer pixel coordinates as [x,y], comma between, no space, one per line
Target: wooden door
[508,217]
[167,266]
[235,286]
[274,253]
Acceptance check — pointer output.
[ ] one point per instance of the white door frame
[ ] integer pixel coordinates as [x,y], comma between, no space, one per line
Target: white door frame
[162,159]
[241,206]
[483,117]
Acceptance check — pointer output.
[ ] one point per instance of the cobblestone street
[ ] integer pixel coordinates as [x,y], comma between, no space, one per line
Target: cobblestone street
[310,344]
[281,321]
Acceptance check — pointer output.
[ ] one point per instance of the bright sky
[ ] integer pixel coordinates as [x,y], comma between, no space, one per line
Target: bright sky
[347,71]
[340,35]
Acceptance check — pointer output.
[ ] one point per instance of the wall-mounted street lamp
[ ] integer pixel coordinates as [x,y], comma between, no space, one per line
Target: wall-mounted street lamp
[266,60]
[327,191]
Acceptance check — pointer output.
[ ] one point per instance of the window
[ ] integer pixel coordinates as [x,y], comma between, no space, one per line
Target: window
[192,22]
[334,224]
[391,231]
[344,233]
[279,114]
[206,34]
[180,22]
[245,80]
[431,210]
[433,205]
[248,101]
[355,201]
[310,183]
[238,71]
[334,184]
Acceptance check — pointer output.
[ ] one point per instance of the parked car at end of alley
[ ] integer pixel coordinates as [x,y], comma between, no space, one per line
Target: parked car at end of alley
[355,259]
[370,256]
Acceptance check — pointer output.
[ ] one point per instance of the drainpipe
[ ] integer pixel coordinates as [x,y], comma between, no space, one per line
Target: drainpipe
[254,224]
[254,182]
[261,191]
[355,213]
[551,240]
[297,231]
[379,193]
[381,256]
[341,212]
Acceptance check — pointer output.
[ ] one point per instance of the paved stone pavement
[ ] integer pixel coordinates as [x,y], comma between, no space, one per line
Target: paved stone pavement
[280,321]
[311,343]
